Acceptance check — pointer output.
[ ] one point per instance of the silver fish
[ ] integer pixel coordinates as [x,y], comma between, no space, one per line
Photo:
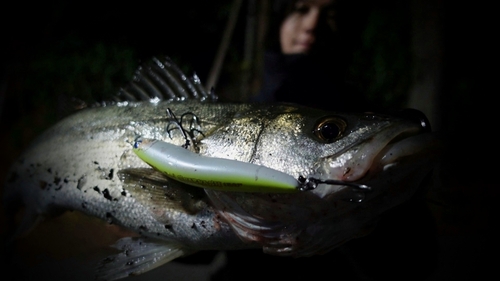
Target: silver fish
[86,163]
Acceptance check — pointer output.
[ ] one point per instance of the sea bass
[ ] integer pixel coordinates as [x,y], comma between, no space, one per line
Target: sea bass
[86,163]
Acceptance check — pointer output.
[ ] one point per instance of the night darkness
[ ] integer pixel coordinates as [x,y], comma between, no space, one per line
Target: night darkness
[56,50]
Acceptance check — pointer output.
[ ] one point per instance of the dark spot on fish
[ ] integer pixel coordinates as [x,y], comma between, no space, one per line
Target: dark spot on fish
[96,188]
[43,184]
[143,186]
[168,226]
[84,205]
[193,225]
[49,170]
[109,217]
[13,177]
[110,175]
[65,180]
[59,187]
[157,234]
[142,227]
[106,194]
[95,162]
[124,193]
[170,195]
[202,223]
[127,253]
[129,263]
[81,182]
[57,180]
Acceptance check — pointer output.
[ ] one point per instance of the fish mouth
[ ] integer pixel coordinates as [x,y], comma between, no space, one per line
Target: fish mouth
[387,157]
[396,151]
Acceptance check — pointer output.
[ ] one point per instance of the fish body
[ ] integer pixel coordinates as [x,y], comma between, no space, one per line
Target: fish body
[86,163]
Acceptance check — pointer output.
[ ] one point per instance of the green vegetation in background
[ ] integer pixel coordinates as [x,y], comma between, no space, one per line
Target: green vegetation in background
[56,80]
[89,73]
[381,66]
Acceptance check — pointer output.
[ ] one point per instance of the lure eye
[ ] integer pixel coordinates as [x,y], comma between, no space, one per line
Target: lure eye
[330,128]
[137,141]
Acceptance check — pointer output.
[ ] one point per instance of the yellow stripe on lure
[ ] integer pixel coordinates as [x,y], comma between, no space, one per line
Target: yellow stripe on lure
[213,173]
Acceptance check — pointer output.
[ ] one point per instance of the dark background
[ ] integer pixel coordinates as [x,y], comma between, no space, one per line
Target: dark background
[54,51]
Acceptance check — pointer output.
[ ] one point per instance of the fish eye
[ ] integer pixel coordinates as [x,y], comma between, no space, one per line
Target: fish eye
[329,129]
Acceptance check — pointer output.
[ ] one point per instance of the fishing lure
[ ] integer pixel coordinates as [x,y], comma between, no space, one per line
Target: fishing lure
[215,173]
[222,174]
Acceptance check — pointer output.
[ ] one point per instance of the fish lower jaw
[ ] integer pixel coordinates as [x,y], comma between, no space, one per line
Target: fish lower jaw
[346,173]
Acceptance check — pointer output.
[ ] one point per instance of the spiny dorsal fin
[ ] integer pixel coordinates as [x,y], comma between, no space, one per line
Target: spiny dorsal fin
[158,80]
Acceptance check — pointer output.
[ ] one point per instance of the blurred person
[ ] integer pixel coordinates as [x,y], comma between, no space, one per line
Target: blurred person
[309,48]
[307,57]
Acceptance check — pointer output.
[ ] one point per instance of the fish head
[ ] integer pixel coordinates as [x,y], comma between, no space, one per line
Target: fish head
[305,142]
[382,152]
[377,161]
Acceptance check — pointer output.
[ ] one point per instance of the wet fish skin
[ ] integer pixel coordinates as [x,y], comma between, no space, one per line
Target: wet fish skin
[86,163]
[90,158]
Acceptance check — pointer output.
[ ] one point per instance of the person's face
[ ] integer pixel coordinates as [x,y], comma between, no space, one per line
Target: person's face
[298,30]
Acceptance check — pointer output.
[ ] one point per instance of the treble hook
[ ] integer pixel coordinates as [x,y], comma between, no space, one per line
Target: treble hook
[187,134]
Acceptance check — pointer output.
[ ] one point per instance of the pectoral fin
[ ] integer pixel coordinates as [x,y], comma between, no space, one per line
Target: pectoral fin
[153,189]
[138,255]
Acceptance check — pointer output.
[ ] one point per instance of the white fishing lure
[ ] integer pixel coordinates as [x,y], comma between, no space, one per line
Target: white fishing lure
[213,173]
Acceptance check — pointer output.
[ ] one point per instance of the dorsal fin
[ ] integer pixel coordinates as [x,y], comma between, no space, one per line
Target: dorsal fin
[158,80]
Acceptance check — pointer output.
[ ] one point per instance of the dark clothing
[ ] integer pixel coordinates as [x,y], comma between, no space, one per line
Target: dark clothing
[305,80]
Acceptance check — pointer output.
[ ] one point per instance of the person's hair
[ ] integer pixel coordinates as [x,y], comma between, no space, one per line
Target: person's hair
[332,45]
[280,10]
